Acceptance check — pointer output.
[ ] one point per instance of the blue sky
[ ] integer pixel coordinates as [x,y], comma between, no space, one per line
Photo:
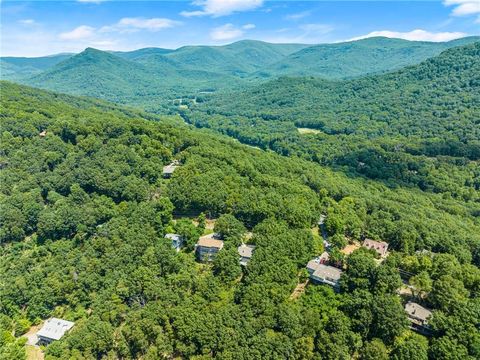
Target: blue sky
[37,28]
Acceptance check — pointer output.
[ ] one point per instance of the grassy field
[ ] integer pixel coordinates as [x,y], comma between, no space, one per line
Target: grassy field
[308,131]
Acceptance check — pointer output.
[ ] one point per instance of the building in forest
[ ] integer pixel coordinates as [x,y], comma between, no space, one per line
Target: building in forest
[52,330]
[177,241]
[208,246]
[246,252]
[170,168]
[324,274]
[418,316]
[380,247]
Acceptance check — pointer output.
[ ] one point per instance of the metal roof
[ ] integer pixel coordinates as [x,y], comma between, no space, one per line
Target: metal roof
[55,328]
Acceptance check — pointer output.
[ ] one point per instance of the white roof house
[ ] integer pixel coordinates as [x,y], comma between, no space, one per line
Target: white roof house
[170,168]
[54,329]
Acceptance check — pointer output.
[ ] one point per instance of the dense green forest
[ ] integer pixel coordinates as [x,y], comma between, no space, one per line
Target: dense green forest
[85,210]
[418,126]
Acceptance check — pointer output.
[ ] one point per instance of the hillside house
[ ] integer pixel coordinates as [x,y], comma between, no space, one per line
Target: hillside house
[324,274]
[246,252]
[177,241]
[418,316]
[380,247]
[207,247]
[170,168]
[52,330]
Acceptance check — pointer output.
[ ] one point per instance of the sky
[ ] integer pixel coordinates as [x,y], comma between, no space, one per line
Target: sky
[38,28]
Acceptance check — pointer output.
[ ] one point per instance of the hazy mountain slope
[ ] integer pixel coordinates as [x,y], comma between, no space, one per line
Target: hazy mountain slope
[133,55]
[149,82]
[13,68]
[440,95]
[95,73]
[239,58]
[356,58]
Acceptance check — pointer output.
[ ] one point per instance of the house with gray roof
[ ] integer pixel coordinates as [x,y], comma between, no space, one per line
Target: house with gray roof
[324,274]
[246,252]
[418,316]
[53,329]
[177,241]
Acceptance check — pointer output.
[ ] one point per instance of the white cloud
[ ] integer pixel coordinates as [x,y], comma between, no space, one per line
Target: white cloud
[248,26]
[463,7]
[136,24]
[298,16]
[27,22]
[320,29]
[226,32]
[79,33]
[217,8]
[415,35]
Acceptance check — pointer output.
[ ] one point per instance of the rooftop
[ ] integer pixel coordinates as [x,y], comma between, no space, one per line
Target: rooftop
[175,237]
[245,250]
[55,328]
[379,246]
[327,272]
[417,311]
[210,240]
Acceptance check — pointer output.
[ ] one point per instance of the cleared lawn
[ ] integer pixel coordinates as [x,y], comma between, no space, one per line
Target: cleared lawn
[34,353]
[308,131]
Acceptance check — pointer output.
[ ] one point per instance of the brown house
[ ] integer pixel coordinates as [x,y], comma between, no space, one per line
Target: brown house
[381,247]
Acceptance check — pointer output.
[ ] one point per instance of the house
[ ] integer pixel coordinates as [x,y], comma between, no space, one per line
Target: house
[53,329]
[43,133]
[208,246]
[246,252]
[170,168]
[380,247]
[418,316]
[177,241]
[324,274]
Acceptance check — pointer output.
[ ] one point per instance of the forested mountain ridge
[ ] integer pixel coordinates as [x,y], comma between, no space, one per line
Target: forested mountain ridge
[442,91]
[358,58]
[85,211]
[416,126]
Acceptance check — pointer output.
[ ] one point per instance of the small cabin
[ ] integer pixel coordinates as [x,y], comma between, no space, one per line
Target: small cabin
[380,247]
[169,169]
[246,252]
[53,329]
[324,274]
[43,133]
[177,241]
[208,246]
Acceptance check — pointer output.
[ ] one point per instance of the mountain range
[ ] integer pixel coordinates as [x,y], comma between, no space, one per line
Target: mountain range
[145,76]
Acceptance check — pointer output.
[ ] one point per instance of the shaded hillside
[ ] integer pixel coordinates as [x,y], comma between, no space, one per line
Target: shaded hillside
[357,58]
[418,126]
[15,68]
[440,96]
